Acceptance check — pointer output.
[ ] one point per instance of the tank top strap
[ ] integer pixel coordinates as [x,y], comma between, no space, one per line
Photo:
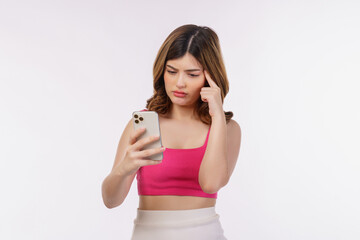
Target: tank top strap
[207,136]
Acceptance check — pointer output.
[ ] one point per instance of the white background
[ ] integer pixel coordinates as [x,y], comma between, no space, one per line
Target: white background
[72,72]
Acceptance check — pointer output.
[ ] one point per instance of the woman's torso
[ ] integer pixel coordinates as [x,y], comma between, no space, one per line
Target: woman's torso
[178,135]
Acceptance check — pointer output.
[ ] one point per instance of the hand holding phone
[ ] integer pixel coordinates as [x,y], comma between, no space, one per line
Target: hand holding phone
[150,121]
[145,143]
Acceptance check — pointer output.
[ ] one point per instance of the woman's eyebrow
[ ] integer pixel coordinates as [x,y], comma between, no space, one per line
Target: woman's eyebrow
[189,70]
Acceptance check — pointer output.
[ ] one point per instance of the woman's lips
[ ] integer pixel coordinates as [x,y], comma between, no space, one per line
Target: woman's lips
[178,94]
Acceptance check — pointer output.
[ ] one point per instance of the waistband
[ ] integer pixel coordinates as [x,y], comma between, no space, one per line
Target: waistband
[175,218]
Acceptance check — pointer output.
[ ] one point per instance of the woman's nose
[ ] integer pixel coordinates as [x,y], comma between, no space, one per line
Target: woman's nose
[180,82]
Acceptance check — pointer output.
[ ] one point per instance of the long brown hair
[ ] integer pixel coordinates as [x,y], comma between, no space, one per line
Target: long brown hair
[202,43]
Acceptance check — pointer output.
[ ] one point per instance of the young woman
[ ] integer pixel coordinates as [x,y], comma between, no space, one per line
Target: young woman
[177,195]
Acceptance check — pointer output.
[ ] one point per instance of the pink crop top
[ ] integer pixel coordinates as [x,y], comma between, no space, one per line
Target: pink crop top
[177,174]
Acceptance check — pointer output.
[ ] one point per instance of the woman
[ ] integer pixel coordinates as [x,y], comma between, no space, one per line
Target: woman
[177,195]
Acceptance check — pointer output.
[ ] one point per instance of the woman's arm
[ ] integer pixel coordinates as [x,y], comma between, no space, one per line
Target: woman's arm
[221,154]
[116,185]
[115,188]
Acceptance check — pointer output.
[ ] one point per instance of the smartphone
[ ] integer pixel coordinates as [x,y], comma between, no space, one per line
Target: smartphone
[149,120]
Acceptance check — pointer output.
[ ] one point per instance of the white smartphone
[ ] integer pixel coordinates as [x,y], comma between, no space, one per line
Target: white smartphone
[149,120]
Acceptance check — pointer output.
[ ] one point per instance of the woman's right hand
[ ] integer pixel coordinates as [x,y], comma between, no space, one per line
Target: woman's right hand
[134,158]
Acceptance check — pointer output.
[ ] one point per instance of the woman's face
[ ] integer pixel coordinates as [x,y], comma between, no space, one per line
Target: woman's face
[186,75]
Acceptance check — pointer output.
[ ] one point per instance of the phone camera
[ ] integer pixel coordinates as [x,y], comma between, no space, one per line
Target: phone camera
[137,120]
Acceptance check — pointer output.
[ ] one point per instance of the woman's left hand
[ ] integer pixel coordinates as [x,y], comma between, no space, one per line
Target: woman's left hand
[212,95]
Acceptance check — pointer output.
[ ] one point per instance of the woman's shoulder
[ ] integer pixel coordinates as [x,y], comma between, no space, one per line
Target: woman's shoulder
[233,123]
[233,129]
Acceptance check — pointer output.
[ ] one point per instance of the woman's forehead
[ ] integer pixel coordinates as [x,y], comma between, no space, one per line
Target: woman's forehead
[187,62]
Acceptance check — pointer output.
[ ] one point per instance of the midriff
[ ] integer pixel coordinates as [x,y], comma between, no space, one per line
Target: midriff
[171,202]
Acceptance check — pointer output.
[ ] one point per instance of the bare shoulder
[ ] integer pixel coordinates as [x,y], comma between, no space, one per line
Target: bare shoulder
[233,134]
[129,126]
[234,128]
[233,144]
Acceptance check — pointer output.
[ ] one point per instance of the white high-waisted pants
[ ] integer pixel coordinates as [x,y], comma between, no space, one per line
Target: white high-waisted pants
[197,224]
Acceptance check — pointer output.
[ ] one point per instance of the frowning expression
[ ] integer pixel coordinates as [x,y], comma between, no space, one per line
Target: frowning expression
[184,78]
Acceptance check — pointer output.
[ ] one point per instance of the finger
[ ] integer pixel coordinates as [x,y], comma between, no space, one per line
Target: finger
[148,152]
[208,89]
[142,142]
[145,162]
[205,96]
[209,79]
[135,134]
[204,99]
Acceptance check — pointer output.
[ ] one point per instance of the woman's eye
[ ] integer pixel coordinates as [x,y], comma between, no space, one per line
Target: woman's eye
[192,75]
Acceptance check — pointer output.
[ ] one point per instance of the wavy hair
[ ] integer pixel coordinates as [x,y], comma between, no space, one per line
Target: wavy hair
[202,43]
